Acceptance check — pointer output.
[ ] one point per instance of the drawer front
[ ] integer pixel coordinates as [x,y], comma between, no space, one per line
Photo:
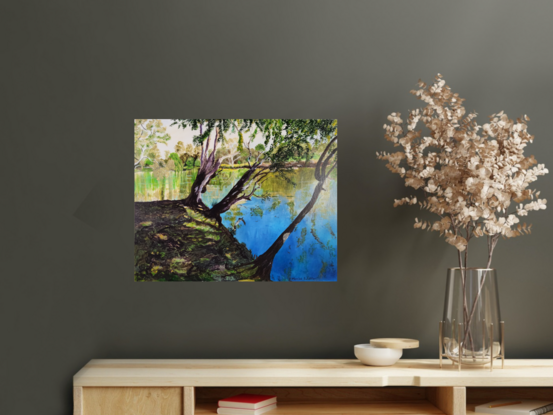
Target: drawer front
[132,401]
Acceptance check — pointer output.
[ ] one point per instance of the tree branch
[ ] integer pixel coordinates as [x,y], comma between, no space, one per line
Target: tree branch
[322,159]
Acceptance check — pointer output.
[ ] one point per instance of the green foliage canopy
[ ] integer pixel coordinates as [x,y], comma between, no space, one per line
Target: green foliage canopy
[283,140]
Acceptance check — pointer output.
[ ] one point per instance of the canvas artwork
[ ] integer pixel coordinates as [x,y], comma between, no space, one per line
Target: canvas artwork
[236,200]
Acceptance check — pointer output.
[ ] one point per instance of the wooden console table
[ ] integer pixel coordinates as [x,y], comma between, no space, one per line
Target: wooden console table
[188,387]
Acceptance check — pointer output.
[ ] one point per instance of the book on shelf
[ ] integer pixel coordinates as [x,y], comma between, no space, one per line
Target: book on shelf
[242,411]
[247,401]
[515,407]
[247,404]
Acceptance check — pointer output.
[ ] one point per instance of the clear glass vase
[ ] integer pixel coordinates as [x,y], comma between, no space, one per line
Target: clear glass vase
[471,332]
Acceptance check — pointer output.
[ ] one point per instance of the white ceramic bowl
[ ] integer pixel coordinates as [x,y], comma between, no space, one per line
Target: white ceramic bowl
[376,356]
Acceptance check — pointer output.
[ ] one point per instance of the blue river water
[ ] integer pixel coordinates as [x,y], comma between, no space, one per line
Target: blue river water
[309,253]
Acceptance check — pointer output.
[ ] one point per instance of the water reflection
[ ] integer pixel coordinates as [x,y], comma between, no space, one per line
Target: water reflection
[309,253]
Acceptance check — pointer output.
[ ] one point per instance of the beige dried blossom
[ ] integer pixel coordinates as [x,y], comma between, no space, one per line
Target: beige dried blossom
[475,178]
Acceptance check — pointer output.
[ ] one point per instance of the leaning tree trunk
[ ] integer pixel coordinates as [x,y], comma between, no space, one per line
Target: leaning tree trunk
[264,262]
[233,195]
[209,166]
[261,266]
[194,198]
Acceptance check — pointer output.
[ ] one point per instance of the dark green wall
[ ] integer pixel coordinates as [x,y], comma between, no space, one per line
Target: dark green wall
[76,73]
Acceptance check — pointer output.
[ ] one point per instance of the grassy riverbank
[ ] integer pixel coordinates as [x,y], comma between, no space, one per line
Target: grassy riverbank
[175,243]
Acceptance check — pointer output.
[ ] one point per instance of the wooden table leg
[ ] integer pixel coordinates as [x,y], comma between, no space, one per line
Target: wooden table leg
[77,400]
[189,400]
[450,400]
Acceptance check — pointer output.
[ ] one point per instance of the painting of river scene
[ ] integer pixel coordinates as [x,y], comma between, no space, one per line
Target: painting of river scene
[236,200]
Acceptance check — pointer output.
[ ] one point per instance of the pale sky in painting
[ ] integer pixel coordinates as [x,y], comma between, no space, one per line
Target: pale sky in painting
[178,134]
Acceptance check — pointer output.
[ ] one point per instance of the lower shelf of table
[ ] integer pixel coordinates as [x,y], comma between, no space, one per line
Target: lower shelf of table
[333,408]
[330,408]
[187,400]
[347,401]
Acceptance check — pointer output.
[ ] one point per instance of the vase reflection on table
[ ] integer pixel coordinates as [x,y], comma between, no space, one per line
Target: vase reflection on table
[472,332]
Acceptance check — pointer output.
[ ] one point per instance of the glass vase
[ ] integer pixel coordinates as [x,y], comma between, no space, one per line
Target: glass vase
[471,332]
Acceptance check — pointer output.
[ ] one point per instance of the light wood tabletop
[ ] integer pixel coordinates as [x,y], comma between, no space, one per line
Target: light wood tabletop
[307,373]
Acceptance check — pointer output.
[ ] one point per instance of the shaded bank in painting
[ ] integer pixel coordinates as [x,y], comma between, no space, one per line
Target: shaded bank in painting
[269,214]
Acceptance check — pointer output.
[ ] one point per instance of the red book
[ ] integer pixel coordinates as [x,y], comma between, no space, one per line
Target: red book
[247,401]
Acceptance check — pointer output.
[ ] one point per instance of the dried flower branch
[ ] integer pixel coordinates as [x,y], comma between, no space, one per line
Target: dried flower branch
[475,178]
